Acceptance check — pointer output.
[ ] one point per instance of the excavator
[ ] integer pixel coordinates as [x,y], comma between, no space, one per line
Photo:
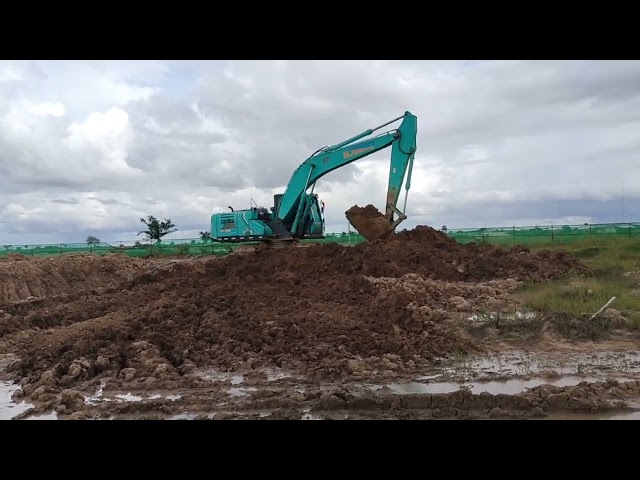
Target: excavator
[298,214]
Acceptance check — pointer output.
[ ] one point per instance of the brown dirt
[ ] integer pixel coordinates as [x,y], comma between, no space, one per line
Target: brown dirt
[23,278]
[369,222]
[321,311]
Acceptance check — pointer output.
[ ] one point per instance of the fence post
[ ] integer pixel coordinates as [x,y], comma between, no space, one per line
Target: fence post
[514,233]
[629,229]
[553,240]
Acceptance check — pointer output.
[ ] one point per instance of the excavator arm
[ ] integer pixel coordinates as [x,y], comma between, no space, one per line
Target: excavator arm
[295,204]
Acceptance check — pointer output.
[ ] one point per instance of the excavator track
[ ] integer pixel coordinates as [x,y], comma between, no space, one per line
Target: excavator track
[270,245]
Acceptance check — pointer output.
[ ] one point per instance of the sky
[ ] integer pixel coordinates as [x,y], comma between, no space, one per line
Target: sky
[90,147]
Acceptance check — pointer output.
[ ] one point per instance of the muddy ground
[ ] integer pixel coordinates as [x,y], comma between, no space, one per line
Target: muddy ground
[385,329]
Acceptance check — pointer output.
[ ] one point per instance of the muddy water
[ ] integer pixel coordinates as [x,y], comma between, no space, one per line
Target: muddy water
[9,408]
[559,364]
[509,387]
[272,374]
[510,374]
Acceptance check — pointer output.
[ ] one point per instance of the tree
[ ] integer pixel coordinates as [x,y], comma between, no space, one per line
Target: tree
[157,229]
[91,240]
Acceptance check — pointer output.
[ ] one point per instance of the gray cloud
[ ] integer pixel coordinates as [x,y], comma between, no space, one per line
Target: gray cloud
[90,147]
[67,201]
[106,201]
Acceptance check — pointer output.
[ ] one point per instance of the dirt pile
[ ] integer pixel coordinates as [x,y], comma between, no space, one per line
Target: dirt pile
[313,311]
[437,300]
[320,325]
[434,254]
[369,222]
[422,251]
[25,278]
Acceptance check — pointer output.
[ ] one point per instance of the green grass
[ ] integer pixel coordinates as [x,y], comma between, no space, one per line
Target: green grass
[571,301]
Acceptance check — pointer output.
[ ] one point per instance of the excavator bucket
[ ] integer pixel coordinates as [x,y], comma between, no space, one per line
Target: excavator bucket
[372,224]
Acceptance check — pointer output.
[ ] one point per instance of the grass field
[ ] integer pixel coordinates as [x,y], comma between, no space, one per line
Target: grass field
[616,266]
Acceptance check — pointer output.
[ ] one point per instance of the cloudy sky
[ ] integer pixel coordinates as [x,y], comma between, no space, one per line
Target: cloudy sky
[89,147]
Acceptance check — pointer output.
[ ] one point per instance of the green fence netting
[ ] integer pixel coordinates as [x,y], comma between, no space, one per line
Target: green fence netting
[188,246]
[558,234]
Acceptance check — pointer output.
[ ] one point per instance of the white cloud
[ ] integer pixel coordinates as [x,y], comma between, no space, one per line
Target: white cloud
[93,146]
[55,109]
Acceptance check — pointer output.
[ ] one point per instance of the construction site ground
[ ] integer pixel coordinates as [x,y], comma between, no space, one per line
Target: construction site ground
[415,326]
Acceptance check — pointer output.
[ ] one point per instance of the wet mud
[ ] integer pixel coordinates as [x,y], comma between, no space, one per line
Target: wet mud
[254,397]
[321,332]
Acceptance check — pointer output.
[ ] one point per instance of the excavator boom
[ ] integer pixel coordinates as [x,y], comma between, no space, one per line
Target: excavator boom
[291,208]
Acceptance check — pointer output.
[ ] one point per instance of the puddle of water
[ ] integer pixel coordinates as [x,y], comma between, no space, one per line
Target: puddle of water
[46,416]
[274,374]
[98,397]
[241,392]
[511,316]
[208,374]
[509,387]
[560,364]
[9,408]
[128,397]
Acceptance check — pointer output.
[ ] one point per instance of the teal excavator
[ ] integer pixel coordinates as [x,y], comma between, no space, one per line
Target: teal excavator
[297,214]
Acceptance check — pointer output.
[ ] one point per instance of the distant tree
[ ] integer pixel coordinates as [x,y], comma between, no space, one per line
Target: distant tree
[205,236]
[91,240]
[157,229]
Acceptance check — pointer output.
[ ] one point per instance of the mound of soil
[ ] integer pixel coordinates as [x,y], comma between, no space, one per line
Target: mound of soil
[23,277]
[436,255]
[312,310]
[209,316]
[423,251]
